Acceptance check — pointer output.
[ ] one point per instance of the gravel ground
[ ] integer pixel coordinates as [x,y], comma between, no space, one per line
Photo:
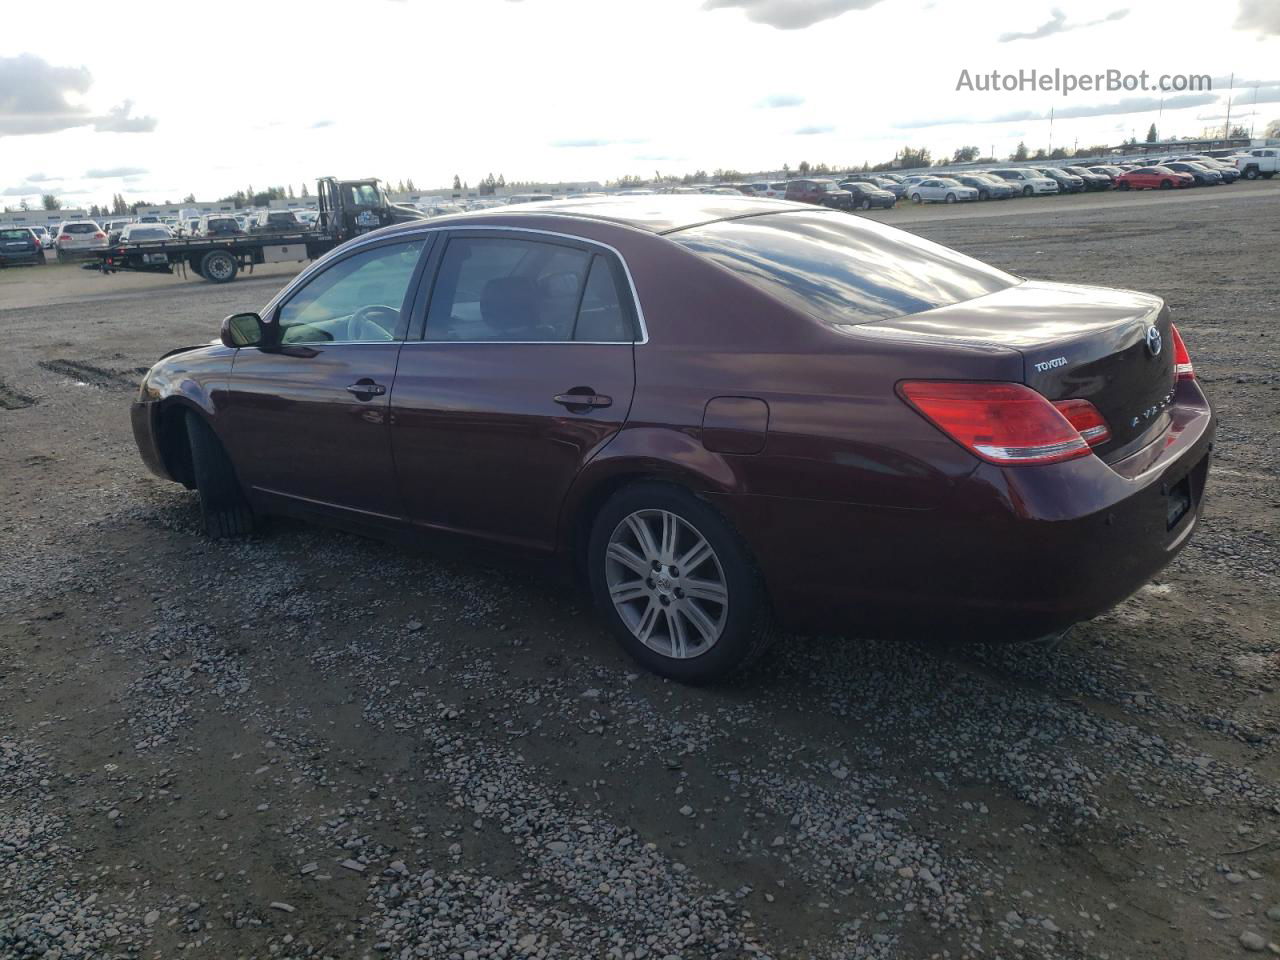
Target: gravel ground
[308,744]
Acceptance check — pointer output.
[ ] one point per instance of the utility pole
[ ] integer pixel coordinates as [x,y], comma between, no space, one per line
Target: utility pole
[1226,130]
[1051,129]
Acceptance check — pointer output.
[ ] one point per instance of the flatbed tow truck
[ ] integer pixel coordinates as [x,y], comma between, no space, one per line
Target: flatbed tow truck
[347,208]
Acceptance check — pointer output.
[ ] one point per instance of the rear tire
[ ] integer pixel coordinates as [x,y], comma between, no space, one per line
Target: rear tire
[655,621]
[1166,184]
[951,198]
[915,198]
[1027,191]
[223,508]
[218,266]
[1251,173]
[865,205]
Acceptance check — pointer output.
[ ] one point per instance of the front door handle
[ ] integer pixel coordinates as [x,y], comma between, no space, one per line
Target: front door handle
[366,389]
[583,401]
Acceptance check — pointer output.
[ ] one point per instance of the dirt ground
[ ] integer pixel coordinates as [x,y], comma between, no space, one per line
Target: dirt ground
[308,744]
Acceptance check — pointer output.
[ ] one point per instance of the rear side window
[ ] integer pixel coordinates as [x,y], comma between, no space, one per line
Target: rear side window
[842,269]
[501,289]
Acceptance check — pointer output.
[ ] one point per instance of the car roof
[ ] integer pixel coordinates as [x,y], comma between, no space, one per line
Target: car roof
[654,213]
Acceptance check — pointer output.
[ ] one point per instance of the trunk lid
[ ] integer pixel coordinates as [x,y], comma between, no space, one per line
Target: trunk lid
[1111,347]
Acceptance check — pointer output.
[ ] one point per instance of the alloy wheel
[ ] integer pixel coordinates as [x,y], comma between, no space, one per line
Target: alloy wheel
[666,583]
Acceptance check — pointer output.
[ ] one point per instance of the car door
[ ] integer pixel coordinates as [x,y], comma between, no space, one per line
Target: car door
[521,372]
[306,414]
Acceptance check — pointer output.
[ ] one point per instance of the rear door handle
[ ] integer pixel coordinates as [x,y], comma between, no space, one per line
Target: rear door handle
[572,400]
[367,388]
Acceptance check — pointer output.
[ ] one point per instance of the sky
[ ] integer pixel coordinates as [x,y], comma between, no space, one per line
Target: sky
[170,100]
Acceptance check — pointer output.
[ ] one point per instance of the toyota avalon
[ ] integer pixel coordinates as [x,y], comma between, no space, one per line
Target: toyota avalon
[729,416]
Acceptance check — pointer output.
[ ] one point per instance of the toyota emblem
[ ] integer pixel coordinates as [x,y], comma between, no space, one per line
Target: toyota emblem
[1154,341]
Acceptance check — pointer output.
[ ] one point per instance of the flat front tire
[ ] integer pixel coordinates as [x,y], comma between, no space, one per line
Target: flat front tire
[223,508]
[676,584]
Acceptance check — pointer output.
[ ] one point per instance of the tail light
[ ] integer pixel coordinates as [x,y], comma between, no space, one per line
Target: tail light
[65,236]
[1182,368]
[1004,423]
[1084,416]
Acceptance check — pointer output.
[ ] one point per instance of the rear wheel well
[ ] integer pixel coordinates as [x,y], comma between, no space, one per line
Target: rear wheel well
[175,447]
[585,515]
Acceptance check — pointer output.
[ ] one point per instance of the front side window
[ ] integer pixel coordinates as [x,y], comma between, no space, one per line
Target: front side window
[505,289]
[357,300]
[842,269]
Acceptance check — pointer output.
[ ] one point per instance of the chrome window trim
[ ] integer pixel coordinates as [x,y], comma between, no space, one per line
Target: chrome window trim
[626,269]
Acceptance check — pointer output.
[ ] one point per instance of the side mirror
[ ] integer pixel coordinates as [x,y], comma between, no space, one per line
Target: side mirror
[242,330]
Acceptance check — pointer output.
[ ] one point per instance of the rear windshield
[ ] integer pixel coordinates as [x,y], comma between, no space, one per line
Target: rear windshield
[843,269]
[149,233]
[14,235]
[80,228]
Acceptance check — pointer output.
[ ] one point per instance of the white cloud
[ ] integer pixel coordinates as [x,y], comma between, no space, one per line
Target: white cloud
[1260,15]
[791,14]
[1057,23]
[37,97]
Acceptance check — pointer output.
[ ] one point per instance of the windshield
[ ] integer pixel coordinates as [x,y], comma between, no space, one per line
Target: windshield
[841,269]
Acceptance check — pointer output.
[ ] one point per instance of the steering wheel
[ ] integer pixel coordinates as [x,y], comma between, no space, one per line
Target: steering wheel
[362,326]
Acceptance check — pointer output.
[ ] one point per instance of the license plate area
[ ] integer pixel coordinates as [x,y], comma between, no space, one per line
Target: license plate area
[1177,502]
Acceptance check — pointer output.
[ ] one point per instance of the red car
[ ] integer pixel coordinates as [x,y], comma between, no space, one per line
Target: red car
[720,412]
[1154,178]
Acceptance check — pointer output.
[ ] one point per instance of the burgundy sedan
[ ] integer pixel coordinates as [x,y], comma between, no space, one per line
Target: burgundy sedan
[724,414]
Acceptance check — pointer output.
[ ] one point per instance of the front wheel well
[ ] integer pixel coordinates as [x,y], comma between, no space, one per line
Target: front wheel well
[175,446]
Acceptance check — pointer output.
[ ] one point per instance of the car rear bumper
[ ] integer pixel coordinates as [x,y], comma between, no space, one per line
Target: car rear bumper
[1016,553]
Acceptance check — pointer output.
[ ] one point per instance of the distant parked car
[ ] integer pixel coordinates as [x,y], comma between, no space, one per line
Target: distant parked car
[1261,162]
[1204,177]
[989,188]
[1092,180]
[276,221]
[1067,182]
[1153,178]
[864,196]
[777,190]
[43,235]
[941,190]
[532,197]
[154,259]
[875,180]
[723,191]
[1228,170]
[823,192]
[217,225]
[79,237]
[1026,180]
[148,218]
[20,245]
